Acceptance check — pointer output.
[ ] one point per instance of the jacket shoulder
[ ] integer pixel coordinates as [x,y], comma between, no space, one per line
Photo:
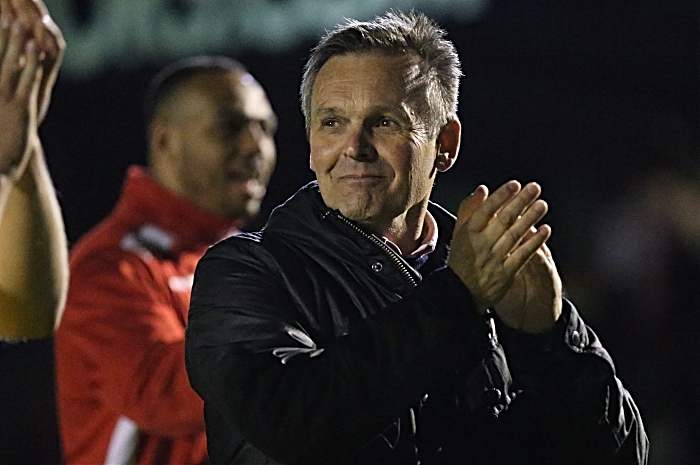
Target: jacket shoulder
[232,246]
[242,253]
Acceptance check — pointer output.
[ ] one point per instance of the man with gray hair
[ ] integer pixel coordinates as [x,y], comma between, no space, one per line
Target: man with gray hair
[366,325]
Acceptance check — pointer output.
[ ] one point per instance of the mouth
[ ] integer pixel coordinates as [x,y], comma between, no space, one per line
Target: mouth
[248,184]
[359,177]
[360,180]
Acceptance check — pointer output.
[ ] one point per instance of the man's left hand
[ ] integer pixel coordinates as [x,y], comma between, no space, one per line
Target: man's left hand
[534,301]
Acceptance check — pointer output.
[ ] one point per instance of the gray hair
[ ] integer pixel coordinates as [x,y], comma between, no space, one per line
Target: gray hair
[396,33]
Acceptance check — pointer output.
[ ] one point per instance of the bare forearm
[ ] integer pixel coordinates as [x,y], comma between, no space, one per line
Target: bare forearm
[33,253]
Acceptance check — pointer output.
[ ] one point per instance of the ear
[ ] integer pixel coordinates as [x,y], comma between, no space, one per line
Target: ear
[447,145]
[164,142]
[159,138]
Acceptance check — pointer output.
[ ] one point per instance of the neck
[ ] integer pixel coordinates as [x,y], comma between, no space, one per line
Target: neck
[164,174]
[405,231]
[168,178]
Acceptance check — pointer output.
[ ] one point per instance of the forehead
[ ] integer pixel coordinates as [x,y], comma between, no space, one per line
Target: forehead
[365,78]
[218,93]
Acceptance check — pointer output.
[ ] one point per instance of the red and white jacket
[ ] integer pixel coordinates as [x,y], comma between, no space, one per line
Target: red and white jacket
[123,393]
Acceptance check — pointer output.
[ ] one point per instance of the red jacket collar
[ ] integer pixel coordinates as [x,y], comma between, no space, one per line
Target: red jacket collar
[144,201]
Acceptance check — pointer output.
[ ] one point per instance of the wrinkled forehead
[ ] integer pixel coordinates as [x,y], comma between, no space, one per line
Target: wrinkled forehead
[401,67]
[384,76]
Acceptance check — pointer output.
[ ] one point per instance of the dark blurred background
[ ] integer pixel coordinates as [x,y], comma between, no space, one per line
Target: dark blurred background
[598,101]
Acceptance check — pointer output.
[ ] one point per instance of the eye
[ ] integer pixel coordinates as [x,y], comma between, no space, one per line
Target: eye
[269,126]
[329,123]
[230,127]
[386,123]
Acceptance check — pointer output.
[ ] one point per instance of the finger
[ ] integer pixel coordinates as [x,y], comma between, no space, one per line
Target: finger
[5,23]
[530,232]
[6,20]
[10,62]
[524,252]
[34,17]
[518,231]
[29,73]
[51,44]
[547,255]
[471,204]
[6,9]
[49,37]
[51,63]
[27,11]
[483,216]
[46,31]
[514,209]
[546,252]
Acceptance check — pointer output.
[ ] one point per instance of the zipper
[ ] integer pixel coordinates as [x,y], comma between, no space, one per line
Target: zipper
[392,255]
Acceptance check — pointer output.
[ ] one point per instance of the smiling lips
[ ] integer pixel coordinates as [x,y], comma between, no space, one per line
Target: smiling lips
[249,183]
[359,177]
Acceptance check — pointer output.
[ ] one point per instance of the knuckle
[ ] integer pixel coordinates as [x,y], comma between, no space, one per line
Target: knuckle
[511,236]
[511,216]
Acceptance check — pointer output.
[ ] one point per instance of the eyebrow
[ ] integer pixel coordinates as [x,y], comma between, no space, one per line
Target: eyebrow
[237,114]
[327,111]
[386,109]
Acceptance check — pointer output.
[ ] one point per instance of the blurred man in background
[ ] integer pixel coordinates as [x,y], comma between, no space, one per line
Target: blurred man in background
[124,396]
[33,252]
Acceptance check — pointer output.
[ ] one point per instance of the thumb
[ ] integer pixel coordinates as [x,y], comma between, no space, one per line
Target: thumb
[471,204]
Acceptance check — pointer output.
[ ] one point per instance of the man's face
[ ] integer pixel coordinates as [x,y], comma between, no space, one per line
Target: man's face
[226,151]
[372,155]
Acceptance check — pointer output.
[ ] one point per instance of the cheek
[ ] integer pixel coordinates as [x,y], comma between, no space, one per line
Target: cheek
[401,157]
[205,162]
[320,156]
[269,154]
[317,162]
[413,169]
[423,173]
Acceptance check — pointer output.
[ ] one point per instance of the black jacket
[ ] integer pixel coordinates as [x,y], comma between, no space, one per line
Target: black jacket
[311,342]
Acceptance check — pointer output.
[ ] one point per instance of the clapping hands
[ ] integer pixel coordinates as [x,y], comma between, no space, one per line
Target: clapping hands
[31,49]
[502,258]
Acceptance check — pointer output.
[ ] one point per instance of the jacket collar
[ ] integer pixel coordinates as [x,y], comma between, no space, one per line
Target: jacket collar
[304,215]
[168,218]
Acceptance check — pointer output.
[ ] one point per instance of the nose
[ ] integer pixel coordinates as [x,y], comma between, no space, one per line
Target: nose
[358,145]
[252,137]
[252,148]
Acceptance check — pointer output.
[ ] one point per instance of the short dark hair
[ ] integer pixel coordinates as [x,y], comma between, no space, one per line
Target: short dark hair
[171,78]
[395,33]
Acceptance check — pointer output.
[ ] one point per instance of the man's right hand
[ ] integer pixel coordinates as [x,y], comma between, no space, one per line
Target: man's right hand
[492,239]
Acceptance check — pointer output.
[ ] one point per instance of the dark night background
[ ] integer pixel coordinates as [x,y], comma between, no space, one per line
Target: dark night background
[587,98]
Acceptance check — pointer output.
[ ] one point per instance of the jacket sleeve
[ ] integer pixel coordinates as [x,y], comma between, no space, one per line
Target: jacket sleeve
[303,398]
[119,318]
[576,409]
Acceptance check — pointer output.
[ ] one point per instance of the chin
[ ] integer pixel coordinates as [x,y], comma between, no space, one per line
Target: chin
[359,211]
[245,210]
